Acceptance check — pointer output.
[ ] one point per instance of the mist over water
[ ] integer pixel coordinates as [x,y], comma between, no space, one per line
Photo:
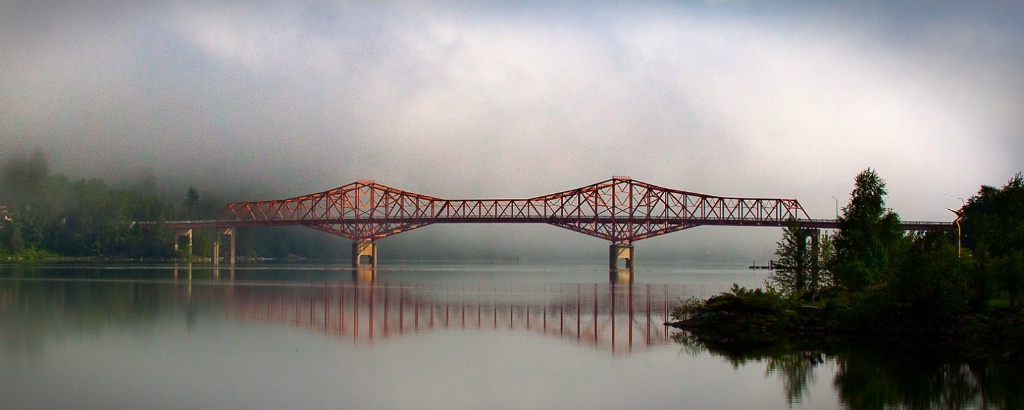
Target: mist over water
[245,101]
[423,335]
[28,182]
[250,101]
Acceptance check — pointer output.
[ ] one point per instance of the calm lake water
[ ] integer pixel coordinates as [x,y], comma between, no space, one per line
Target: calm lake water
[424,336]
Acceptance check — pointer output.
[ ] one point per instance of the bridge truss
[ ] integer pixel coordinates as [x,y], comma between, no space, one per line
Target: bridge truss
[620,210]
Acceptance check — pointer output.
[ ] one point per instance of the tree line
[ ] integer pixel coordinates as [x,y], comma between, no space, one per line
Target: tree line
[47,215]
[871,263]
[954,290]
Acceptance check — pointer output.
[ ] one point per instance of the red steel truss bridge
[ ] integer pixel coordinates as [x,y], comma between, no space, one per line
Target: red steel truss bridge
[621,210]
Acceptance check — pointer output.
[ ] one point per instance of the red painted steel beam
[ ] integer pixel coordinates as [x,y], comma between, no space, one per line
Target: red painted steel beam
[619,209]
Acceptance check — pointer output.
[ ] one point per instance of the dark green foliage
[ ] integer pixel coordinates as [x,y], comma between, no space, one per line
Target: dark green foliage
[191,202]
[907,286]
[868,238]
[795,258]
[994,218]
[826,259]
[993,229]
[907,294]
[932,283]
[795,270]
[892,279]
[737,301]
[737,320]
[12,237]
[1010,271]
[51,215]
[741,300]
[81,218]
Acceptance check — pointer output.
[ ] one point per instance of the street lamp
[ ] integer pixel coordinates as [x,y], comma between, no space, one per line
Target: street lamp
[837,206]
[959,216]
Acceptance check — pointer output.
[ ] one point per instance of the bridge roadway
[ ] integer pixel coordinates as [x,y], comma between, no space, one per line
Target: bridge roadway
[620,210]
[806,223]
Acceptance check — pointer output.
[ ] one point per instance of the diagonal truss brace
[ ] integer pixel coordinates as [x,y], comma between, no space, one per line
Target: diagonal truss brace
[620,210]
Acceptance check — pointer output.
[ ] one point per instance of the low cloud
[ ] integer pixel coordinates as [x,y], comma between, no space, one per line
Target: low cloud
[489,100]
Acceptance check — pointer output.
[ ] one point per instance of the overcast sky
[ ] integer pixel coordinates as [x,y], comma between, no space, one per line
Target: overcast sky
[517,99]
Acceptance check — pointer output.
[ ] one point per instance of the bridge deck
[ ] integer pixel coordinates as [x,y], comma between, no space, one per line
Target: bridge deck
[620,210]
[807,223]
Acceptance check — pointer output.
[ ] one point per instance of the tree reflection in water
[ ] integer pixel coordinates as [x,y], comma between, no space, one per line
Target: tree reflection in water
[918,380]
[875,377]
[33,312]
[797,371]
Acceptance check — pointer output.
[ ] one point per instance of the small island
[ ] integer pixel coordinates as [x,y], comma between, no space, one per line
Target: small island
[956,292]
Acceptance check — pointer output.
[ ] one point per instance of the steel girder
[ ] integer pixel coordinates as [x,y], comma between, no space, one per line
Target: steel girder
[620,210]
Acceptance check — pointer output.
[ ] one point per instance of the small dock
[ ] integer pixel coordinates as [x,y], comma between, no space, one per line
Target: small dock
[754,265]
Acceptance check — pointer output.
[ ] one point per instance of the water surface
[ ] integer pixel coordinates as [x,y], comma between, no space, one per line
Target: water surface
[421,336]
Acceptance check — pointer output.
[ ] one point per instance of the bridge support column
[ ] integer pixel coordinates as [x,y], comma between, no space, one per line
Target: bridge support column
[364,254]
[215,237]
[621,251]
[216,233]
[183,232]
[215,246]
[231,248]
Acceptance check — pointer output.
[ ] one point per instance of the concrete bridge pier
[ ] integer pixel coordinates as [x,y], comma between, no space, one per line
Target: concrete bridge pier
[215,247]
[178,233]
[215,236]
[364,255]
[364,262]
[624,252]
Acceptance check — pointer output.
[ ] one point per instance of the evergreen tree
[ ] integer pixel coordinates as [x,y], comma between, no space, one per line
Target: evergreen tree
[14,242]
[826,259]
[792,273]
[191,202]
[931,284]
[869,238]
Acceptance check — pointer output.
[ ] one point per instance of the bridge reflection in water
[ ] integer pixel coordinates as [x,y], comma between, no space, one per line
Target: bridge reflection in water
[615,317]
